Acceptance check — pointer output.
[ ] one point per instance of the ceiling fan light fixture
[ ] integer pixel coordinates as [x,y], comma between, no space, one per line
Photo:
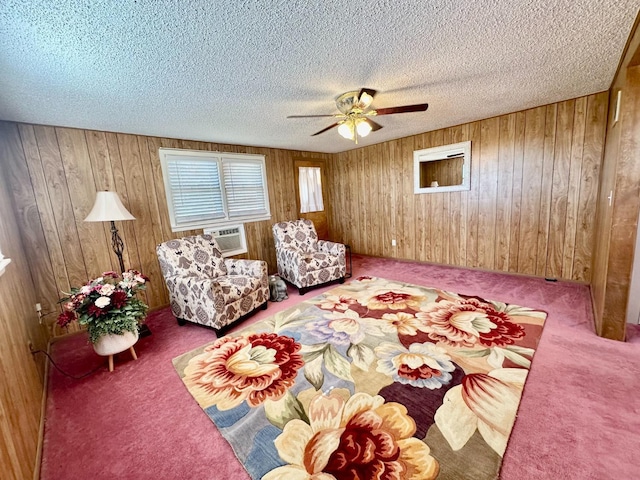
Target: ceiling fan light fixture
[363,127]
[365,100]
[346,130]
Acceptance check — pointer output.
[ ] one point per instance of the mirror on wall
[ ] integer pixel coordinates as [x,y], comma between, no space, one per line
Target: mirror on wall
[442,169]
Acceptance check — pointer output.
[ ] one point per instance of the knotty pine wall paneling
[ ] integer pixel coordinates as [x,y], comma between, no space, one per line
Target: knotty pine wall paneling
[534,181]
[54,174]
[22,374]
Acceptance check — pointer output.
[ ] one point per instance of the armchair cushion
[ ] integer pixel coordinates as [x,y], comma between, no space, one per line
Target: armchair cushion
[300,235]
[198,255]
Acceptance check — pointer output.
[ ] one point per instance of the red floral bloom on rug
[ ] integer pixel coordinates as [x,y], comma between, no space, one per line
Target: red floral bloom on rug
[393,297]
[360,437]
[255,368]
[468,322]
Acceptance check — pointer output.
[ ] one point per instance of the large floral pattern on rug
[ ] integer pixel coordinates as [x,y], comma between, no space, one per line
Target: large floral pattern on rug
[371,380]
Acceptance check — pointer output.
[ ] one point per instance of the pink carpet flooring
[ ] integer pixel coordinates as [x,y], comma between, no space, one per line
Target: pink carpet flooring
[579,417]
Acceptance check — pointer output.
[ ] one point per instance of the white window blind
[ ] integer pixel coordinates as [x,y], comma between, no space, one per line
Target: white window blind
[207,189]
[195,189]
[245,188]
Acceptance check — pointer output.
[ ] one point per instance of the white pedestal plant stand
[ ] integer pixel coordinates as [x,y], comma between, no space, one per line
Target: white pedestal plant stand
[109,345]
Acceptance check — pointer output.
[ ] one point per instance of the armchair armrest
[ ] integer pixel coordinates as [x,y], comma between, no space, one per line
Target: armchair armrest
[331,248]
[239,266]
[199,288]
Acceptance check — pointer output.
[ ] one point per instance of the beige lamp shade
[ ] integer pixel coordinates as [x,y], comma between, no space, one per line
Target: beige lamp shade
[108,207]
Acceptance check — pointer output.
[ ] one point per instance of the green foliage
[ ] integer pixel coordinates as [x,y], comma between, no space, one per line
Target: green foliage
[116,322]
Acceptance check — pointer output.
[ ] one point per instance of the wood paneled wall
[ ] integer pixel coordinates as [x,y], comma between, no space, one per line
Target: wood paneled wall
[21,387]
[530,210]
[56,173]
[619,200]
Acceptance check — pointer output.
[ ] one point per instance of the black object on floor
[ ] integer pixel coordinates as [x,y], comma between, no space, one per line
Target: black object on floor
[143,330]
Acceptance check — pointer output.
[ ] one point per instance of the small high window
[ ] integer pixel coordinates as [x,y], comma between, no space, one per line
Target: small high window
[442,169]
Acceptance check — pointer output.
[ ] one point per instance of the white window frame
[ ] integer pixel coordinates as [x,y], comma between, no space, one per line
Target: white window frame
[220,158]
[442,153]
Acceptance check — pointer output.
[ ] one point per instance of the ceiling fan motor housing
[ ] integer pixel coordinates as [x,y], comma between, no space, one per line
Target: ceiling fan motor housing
[355,100]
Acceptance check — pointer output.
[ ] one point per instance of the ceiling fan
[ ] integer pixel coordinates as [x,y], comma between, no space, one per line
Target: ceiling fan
[354,114]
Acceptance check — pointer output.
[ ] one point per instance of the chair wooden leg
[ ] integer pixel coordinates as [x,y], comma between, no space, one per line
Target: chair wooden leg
[111,363]
[133,353]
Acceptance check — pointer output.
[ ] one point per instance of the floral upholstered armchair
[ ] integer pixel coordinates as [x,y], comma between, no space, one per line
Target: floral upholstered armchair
[208,289]
[305,261]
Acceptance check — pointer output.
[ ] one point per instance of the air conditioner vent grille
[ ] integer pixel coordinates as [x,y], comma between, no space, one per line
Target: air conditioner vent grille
[231,240]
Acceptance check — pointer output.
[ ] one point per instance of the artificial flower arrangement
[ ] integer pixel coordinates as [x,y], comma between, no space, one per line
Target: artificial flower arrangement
[106,305]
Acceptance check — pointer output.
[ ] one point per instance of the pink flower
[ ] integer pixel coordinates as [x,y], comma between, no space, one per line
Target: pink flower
[106,289]
[467,322]
[251,368]
[334,302]
[394,297]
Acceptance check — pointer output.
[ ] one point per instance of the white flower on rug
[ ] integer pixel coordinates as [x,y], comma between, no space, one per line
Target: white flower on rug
[343,328]
[402,323]
[484,402]
[335,302]
[422,365]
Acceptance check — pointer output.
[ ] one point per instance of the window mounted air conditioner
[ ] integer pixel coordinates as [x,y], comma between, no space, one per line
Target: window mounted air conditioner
[231,240]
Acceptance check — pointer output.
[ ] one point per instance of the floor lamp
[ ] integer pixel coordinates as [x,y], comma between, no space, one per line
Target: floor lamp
[109,208]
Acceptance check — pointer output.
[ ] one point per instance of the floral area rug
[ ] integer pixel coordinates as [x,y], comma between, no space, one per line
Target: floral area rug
[371,380]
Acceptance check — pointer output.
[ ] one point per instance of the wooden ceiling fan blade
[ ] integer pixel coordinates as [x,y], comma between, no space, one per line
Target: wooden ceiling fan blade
[325,129]
[420,107]
[374,125]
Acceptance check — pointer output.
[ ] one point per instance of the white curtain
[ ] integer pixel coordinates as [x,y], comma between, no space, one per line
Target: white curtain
[310,189]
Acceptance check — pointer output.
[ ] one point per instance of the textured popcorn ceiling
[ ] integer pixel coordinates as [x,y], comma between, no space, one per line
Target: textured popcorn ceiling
[230,71]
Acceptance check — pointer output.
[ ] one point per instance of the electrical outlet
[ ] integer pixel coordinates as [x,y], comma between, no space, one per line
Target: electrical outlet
[393,242]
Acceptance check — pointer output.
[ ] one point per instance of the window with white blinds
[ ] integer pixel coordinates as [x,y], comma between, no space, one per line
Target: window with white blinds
[207,189]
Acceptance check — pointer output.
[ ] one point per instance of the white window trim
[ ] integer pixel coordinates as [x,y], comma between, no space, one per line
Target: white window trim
[441,153]
[219,158]
[3,263]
